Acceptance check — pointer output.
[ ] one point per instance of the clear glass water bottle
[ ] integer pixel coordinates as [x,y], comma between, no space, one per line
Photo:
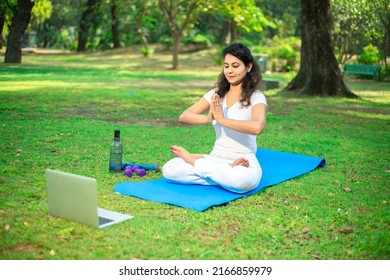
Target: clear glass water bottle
[116,150]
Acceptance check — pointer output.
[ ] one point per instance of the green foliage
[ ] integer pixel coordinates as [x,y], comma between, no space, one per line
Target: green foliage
[370,55]
[165,40]
[146,51]
[378,25]
[350,16]
[41,11]
[358,23]
[7,11]
[285,49]
[287,25]
[65,40]
[285,14]
[202,40]
[216,56]
[246,14]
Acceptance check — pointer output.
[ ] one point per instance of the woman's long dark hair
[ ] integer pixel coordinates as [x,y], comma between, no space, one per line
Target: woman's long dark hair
[252,79]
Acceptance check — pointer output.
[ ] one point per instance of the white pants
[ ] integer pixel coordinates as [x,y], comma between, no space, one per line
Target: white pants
[214,169]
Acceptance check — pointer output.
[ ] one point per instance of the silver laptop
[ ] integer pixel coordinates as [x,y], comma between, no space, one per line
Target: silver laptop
[74,197]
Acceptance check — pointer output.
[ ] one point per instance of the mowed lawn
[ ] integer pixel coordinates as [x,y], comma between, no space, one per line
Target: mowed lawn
[60,110]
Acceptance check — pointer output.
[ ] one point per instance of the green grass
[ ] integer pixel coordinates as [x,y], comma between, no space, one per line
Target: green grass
[59,111]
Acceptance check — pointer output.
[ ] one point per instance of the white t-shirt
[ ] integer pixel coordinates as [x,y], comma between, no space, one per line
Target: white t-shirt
[231,140]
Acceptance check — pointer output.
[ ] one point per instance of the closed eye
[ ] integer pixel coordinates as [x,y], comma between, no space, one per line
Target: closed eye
[236,65]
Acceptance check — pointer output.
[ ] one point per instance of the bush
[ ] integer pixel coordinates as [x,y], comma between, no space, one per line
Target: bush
[370,55]
[285,50]
[146,52]
[166,41]
[64,39]
[200,41]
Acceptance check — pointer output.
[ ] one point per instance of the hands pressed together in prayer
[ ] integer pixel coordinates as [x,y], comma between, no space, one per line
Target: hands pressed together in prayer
[216,111]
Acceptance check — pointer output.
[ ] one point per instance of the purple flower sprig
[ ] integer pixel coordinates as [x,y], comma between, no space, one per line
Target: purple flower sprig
[130,170]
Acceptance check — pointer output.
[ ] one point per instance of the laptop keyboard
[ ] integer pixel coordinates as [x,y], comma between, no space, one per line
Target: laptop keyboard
[103,221]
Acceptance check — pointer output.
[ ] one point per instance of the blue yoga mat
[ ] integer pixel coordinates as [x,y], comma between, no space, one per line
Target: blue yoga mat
[277,167]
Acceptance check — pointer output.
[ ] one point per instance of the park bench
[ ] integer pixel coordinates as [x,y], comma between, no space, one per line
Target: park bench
[270,84]
[365,70]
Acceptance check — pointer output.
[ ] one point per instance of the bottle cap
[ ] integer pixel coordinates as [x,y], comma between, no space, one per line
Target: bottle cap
[117,134]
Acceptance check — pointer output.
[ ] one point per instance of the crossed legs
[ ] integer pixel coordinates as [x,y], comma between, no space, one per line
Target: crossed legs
[240,175]
[191,158]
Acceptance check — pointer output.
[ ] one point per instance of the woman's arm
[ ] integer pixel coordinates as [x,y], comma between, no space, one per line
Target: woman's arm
[194,114]
[254,126]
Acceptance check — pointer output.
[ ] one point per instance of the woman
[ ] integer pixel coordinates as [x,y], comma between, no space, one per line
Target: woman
[237,111]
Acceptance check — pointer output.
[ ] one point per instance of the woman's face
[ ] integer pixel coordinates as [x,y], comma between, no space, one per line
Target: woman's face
[235,70]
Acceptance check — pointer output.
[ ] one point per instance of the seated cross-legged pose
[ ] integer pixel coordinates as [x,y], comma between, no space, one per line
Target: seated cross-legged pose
[237,110]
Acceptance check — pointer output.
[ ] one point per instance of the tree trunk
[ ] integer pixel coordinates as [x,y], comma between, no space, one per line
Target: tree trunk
[234,32]
[319,73]
[175,50]
[172,11]
[138,27]
[144,40]
[227,31]
[2,22]
[45,31]
[19,24]
[114,24]
[386,41]
[85,23]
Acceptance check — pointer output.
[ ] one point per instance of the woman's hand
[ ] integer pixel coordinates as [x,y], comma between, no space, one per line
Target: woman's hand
[216,108]
[254,126]
[194,114]
[210,117]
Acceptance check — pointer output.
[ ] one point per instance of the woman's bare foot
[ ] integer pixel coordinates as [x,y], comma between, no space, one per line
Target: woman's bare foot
[185,155]
[240,161]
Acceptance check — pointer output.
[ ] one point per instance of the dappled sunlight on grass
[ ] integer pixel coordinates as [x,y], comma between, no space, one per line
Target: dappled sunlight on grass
[39,85]
[370,104]
[129,59]
[380,96]
[370,90]
[126,73]
[368,115]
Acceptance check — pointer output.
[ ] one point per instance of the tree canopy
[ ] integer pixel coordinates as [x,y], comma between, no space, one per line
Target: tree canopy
[358,23]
